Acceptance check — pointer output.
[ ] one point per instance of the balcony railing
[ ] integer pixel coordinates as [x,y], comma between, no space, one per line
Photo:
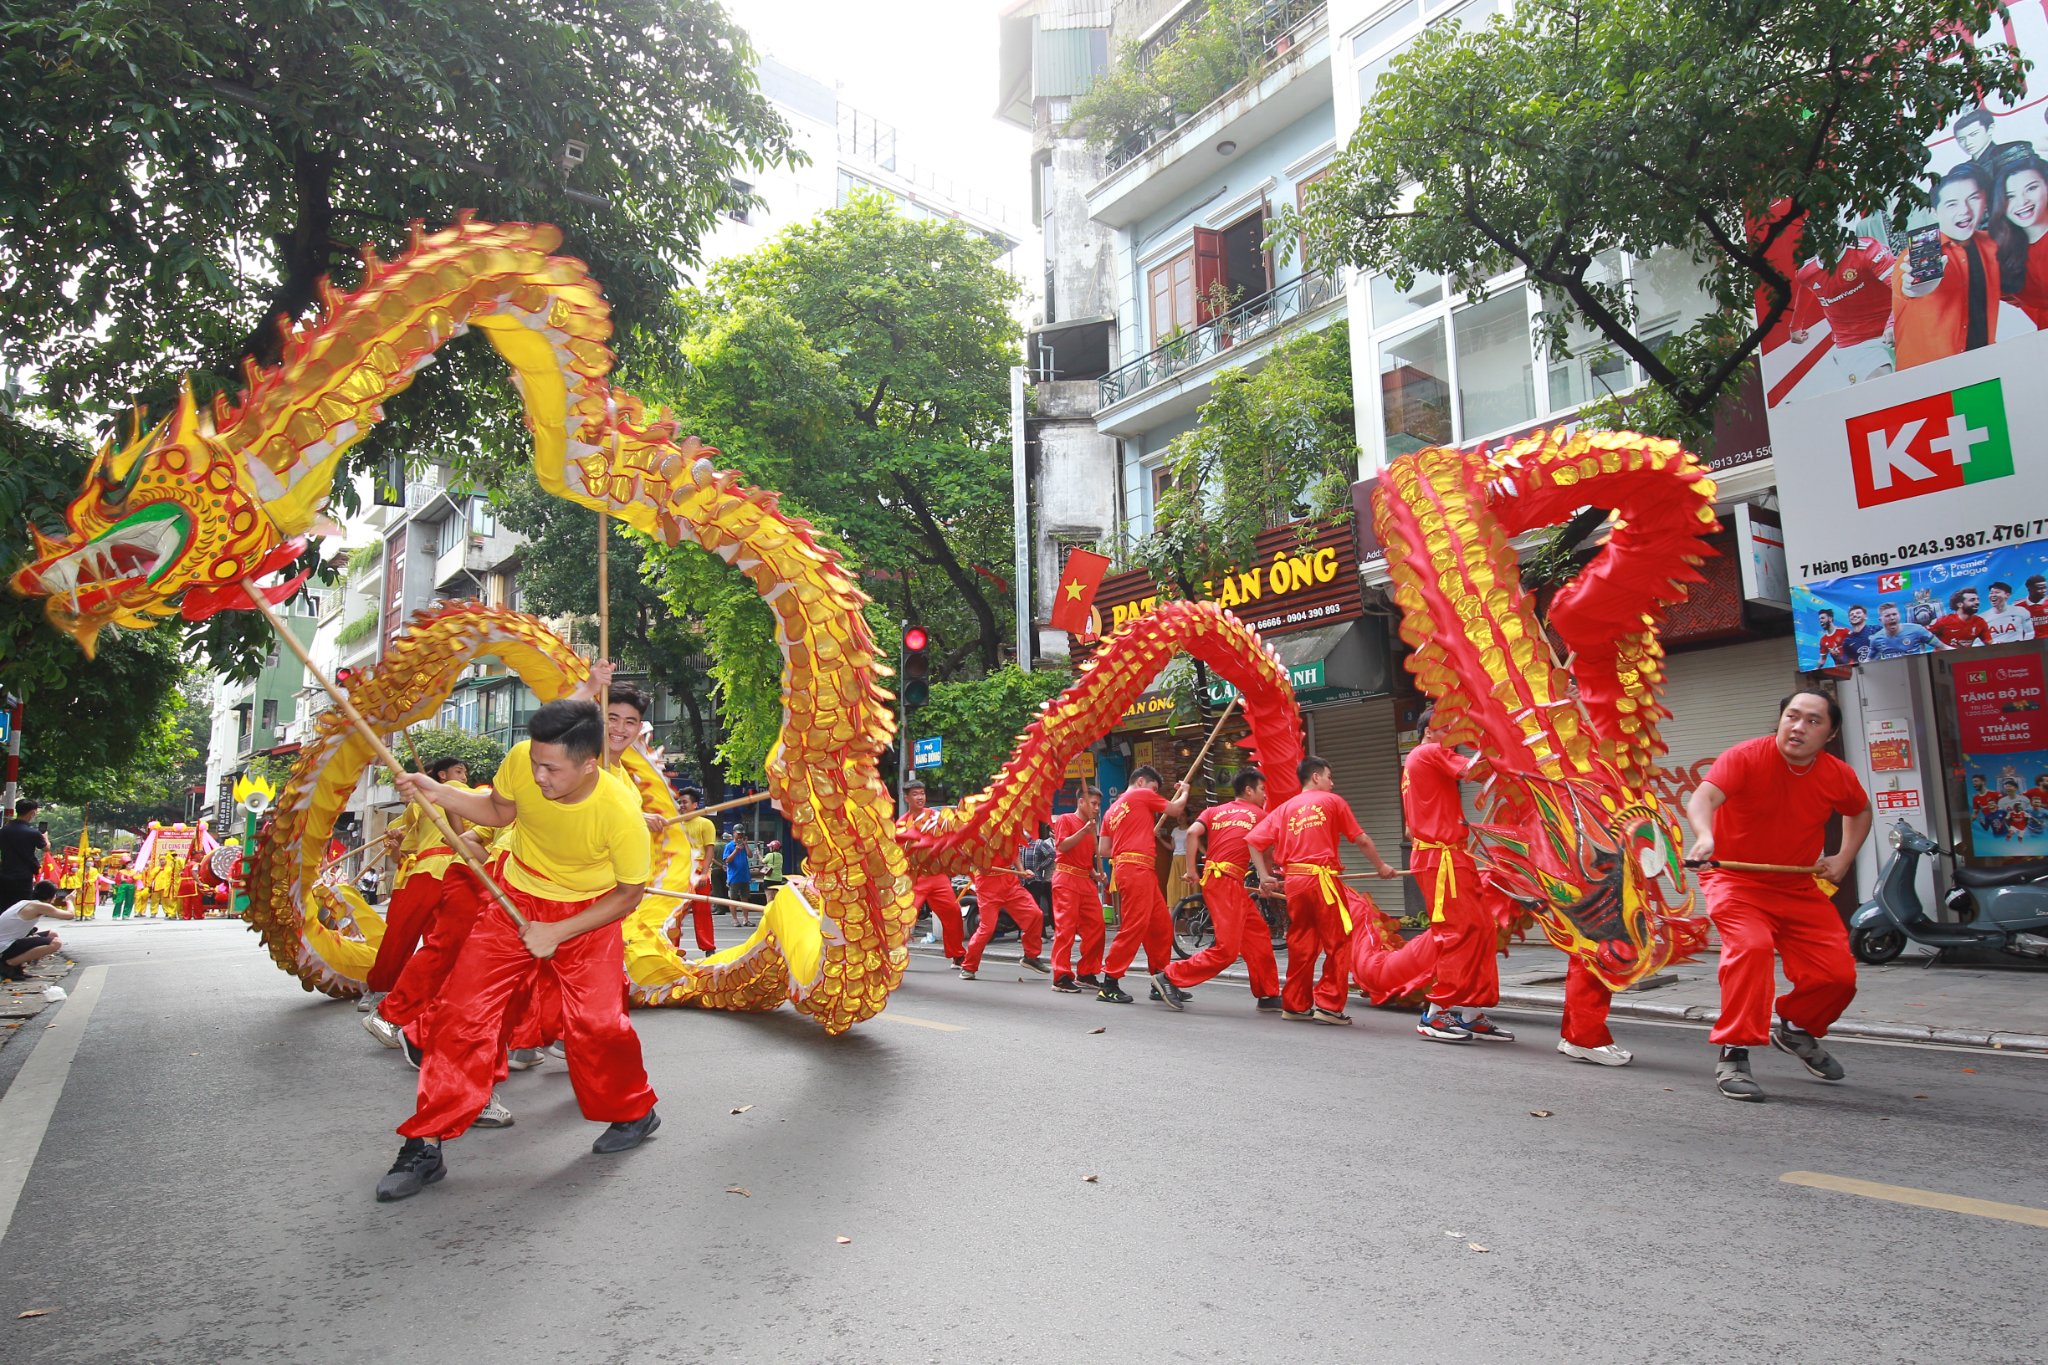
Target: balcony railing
[1283,26]
[1270,312]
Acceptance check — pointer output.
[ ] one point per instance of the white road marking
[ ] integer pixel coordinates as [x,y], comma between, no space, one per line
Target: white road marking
[922,1023]
[1921,1199]
[26,1109]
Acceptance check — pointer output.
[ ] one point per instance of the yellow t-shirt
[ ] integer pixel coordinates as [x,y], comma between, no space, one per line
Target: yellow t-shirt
[572,852]
[702,835]
[419,833]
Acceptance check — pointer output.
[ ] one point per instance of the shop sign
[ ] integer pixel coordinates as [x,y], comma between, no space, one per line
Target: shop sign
[1995,597]
[1890,744]
[1308,677]
[1295,581]
[1151,708]
[1081,767]
[1899,802]
[1998,706]
[2003,733]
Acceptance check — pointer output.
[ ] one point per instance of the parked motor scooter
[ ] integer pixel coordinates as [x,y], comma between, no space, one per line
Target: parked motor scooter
[2003,909]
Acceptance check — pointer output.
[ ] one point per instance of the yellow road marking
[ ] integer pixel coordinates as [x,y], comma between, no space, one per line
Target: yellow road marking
[1923,1199]
[922,1023]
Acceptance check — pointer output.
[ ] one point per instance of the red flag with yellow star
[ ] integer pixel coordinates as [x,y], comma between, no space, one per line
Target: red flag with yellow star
[1074,603]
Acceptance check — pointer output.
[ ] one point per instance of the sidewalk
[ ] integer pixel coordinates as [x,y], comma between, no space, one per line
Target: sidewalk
[1954,1005]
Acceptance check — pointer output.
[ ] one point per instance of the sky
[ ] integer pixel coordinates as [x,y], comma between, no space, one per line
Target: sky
[927,66]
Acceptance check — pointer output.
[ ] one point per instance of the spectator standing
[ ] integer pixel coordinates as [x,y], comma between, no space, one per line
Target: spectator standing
[739,872]
[22,850]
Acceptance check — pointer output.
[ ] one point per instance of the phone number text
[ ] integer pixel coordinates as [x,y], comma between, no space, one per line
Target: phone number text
[2004,533]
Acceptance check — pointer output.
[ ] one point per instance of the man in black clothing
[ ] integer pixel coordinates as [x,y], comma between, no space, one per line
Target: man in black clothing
[22,847]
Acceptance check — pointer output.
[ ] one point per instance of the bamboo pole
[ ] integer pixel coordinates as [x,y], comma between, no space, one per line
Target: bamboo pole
[604,621]
[383,752]
[1195,764]
[720,808]
[700,896]
[1730,865]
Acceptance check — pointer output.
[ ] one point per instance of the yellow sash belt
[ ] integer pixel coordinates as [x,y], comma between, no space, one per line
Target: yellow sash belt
[1326,882]
[1446,875]
[1224,866]
[1143,860]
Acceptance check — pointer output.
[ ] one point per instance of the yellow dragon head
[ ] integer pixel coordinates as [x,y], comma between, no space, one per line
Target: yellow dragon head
[171,513]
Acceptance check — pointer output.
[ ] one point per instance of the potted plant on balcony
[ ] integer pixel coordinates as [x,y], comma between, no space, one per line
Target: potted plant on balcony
[1218,301]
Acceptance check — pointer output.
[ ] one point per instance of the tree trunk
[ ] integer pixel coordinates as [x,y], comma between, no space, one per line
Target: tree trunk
[306,253]
[990,644]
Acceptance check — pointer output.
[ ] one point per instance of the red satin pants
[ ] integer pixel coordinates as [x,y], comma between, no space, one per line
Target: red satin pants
[1076,911]
[995,895]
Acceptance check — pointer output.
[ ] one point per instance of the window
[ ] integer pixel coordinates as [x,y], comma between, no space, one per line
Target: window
[483,519]
[447,534]
[1377,44]
[1415,387]
[1173,297]
[1247,272]
[269,720]
[1301,193]
[1391,303]
[1593,368]
[1162,483]
[270,660]
[1496,375]
[737,207]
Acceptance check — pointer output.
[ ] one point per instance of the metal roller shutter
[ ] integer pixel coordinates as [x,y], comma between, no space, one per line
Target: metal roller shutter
[1357,740]
[1718,697]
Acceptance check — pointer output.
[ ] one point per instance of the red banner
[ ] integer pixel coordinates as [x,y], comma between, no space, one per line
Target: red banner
[1999,706]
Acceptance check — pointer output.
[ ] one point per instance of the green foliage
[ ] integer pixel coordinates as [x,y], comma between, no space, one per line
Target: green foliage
[364,558]
[482,753]
[358,630]
[980,722]
[1710,128]
[1269,447]
[172,177]
[1222,46]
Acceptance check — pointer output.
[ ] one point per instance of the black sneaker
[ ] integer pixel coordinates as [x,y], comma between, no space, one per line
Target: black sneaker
[1163,991]
[419,1165]
[1323,1016]
[1066,985]
[413,1055]
[1803,1045]
[623,1137]
[1111,993]
[1732,1078]
[1093,982]
[1267,1004]
[1036,964]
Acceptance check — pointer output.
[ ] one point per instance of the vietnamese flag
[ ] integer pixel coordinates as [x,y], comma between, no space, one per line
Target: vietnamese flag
[1075,601]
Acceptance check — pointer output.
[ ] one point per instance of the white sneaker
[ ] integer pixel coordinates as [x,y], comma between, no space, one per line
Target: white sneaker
[558,1049]
[495,1114]
[525,1058]
[367,1001]
[382,1029]
[1609,1055]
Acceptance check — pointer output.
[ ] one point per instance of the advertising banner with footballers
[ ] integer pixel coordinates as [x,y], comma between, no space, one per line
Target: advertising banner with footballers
[1907,409]
[1992,597]
[2003,733]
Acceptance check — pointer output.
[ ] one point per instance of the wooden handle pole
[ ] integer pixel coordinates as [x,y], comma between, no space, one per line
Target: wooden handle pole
[700,896]
[604,614]
[384,754]
[1195,764]
[1730,865]
[1373,876]
[719,808]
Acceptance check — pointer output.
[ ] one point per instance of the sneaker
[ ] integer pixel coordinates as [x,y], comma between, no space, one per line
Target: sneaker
[1606,1055]
[1164,993]
[967,974]
[1111,993]
[1267,1004]
[1090,980]
[558,1049]
[1441,1026]
[1299,1016]
[1732,1078]
[1323,1016]
[383,1030]
[367,1001]
[1803,1045]
[957,961]
[1066,985]
[419,1165]
[494,1115]
[622,1137]
[525,1058]
[413,1055]
[1036,964]
[1481,1027]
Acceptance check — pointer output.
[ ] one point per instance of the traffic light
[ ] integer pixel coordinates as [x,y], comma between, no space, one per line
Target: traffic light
[343,677]
[917,666]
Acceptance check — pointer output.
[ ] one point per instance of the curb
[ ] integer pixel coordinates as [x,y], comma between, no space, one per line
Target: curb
[1552,1002]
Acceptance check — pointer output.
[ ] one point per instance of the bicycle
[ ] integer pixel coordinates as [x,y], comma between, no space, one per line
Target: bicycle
[1194,929]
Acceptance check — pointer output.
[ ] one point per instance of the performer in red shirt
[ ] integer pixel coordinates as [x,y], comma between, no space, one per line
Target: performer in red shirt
[1454,955]
[1768,800]
[1302,835]
[997,890]
[1240,928]
[1854,297]
[1076,896]
[1128,841]
[935,892]
[1962,626]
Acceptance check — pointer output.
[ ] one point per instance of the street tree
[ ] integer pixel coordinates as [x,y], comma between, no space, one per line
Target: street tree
[980,721]
[1719,130]
[479,753]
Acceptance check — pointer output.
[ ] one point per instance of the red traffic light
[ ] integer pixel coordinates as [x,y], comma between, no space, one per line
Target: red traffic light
[915,639]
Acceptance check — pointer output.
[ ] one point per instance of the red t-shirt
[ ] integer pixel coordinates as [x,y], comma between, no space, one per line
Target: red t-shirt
[1081,857]
[1429,795]
[1776,815]
[1985,802]
[2037,610]
[1130,820]
[1227,827]
[1835,645]
[1956,629]
[2033,296]
[1855,297]
[1306,828]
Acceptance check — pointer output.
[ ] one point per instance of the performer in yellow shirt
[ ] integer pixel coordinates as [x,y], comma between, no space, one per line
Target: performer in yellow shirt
[704,846]
[575,865]
[425,863]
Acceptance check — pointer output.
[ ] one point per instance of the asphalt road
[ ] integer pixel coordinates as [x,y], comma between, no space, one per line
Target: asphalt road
[1264,1191]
